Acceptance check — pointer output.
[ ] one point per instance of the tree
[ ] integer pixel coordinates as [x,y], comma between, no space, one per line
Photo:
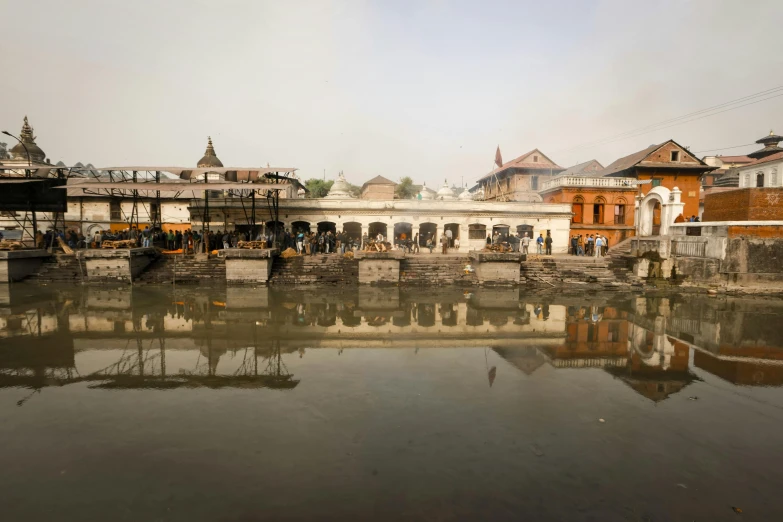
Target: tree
[318,188]
[405,188]
[355,190]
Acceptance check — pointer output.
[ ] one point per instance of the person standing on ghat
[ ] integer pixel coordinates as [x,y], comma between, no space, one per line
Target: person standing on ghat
[525,244]
[444,242]
[540,244]
[416,243]
[548,243]
[599,244]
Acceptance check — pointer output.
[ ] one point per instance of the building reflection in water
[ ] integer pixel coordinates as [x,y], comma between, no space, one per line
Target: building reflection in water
[145,338]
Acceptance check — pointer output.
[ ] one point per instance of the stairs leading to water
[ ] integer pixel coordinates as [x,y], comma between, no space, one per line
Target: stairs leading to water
[60,268]
[436,270]
[320,269]
[184,270]
[539,270]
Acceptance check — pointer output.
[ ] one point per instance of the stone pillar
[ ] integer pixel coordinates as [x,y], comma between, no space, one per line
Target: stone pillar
[365,230]
[463,238]
[439,233]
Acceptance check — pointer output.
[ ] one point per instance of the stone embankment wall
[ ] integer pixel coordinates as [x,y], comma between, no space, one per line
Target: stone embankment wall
[736,256]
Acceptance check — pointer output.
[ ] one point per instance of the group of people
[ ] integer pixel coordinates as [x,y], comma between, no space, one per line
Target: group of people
[521,242]
[324,242]
[589,245]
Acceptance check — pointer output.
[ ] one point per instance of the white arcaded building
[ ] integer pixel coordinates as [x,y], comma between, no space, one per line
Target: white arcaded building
[469,221]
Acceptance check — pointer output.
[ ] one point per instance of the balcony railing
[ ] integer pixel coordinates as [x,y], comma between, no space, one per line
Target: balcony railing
[587,181]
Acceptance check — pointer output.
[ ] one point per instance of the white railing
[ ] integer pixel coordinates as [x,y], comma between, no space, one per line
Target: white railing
[689,248]
[587,181]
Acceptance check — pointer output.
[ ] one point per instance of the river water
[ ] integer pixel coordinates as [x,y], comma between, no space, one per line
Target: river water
[379,404]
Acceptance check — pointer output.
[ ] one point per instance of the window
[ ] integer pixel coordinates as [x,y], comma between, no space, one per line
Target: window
[598,212]
[675,155]
[115,211]
[578,209]
[534,182]
[619,214]
[477,232]
[656,182]
[760,179]
[154,212]
[773,179]
[535,159]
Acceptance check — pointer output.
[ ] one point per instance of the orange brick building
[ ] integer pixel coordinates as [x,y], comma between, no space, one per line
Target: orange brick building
[600,205]
[668,165]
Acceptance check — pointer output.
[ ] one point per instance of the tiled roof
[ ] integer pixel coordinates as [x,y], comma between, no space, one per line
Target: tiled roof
[519,163]
[772,157]
[638,159]
[586,168]
[628,161]
[735,159]
[379,180]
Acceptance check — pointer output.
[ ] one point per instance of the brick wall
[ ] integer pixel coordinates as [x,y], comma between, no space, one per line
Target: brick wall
[750,204]
[378,191]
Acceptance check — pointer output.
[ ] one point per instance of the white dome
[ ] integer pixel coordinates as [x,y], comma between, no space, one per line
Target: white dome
[465,196]
[340,189]
[445,191]
[426,193]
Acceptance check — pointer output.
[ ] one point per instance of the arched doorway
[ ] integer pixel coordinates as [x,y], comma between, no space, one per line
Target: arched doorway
[271,226]
[577,207]
[453,230]
[522,229]
[376,228]
[300,226]
[402,232]
[354,230]
[503,230]
[599,205]
[650,218]
[327,226]
[426,231]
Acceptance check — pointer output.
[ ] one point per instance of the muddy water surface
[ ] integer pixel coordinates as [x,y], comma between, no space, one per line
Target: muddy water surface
[250,404]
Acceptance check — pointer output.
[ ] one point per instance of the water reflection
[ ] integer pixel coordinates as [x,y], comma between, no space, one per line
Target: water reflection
[125,338]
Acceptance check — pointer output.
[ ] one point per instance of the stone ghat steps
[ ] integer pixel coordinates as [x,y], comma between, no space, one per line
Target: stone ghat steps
[604,270]
[317,269]
[436,270]
[184,270]
[587,270]
[60,268]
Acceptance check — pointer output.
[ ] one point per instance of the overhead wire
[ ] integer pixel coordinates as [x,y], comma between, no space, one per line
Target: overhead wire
[685,118]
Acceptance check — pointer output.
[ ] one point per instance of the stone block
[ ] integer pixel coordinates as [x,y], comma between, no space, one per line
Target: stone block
[15,265]
[121,265]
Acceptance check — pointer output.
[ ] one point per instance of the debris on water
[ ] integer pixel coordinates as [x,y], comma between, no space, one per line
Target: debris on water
[736,510]
[683,486]
[601,420]
[693,398]
[537,451]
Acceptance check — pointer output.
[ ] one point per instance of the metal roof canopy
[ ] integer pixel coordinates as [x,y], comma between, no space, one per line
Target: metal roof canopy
[198,170]
[175,186]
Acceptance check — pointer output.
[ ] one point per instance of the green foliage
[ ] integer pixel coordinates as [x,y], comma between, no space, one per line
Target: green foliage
[355,190]
[318,188]
[405,188]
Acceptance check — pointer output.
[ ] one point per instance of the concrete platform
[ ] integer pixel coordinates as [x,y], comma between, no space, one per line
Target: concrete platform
[379,267]
[117,265]
[249,266]
[497,268]
[15,265]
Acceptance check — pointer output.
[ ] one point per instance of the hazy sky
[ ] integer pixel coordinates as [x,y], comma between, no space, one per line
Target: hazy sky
[426,89]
